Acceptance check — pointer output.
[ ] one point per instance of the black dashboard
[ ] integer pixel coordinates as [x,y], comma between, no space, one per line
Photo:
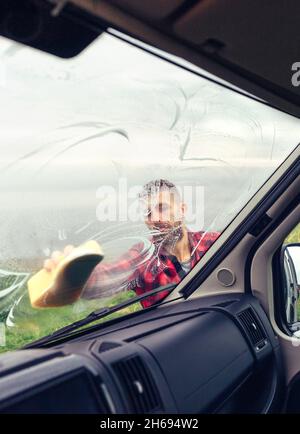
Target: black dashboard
[207,355]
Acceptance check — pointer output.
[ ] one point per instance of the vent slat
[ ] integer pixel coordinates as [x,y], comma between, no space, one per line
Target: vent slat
[128,383]
[138,385]
[146,398]
[131,384]
[133,378]
[252,326]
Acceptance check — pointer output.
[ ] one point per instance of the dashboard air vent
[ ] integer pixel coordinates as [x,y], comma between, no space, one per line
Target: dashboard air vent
[141,393]
[253,328]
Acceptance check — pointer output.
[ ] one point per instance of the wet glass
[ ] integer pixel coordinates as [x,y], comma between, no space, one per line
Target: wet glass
[80,137]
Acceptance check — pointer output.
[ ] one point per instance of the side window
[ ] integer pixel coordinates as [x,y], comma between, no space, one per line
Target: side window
[290,263]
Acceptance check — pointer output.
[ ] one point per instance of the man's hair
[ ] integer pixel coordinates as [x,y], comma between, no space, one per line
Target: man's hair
[157,185]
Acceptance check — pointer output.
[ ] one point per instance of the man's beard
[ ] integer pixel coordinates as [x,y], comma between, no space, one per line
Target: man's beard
[167,235]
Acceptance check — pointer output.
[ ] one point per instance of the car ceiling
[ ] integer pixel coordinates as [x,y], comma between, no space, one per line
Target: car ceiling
[249,43]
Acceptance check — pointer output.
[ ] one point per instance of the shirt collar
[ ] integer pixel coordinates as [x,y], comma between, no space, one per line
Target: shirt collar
[193,244]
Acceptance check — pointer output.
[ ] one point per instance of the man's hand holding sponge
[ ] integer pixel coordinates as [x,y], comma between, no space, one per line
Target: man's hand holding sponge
[64,275]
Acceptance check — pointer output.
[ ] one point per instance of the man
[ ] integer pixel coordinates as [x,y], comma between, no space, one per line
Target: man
[175,249]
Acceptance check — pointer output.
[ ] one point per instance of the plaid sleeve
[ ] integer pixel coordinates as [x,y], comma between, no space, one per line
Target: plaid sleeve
[106,278]
[203,241]
[209,238]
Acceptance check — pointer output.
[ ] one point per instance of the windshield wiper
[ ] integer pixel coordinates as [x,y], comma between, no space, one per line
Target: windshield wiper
[99,314]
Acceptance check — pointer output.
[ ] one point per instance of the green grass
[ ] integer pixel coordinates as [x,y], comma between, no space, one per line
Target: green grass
[32,324]
[294,236]
[298,309]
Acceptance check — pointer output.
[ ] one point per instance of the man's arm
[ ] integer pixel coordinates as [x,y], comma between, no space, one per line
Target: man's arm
[110,278]
[105,279]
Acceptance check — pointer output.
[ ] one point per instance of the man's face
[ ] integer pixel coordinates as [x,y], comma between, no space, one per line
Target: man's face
[164,215]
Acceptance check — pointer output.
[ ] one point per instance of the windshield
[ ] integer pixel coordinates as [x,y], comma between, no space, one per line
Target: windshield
[116,146]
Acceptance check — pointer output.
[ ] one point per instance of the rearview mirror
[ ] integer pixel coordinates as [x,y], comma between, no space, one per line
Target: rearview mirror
[291,273]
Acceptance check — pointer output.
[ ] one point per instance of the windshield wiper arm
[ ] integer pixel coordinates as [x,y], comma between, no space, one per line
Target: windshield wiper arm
[101,313]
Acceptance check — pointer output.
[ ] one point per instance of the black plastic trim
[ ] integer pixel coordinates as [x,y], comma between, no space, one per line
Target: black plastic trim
[276,222]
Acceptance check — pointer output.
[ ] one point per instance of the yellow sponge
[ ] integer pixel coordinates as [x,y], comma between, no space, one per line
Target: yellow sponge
[64,284]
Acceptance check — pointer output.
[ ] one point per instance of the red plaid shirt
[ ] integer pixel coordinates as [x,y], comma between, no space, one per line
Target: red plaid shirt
[158,270]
